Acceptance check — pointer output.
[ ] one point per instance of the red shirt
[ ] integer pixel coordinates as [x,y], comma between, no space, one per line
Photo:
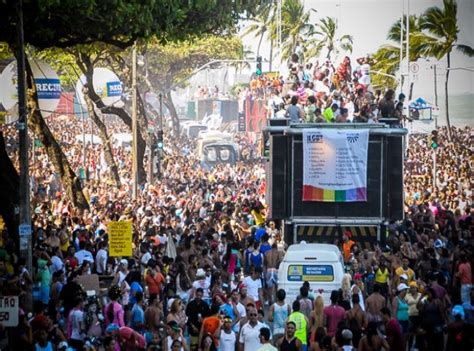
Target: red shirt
[334,314]
[154,283]
[394,335]
[465,273]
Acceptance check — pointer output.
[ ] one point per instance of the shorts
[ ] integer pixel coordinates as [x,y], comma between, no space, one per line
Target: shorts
[404,326]
[271,278]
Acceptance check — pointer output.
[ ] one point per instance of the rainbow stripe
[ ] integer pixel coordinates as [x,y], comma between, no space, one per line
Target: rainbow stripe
[311,193]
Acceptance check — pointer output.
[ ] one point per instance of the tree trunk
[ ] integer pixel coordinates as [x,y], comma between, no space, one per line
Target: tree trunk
[174,115]
[85,63]
[446,98]
[10,193]
[69,180]
[108,152]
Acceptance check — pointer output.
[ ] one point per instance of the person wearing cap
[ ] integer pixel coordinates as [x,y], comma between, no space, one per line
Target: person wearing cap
[203,283]
[404,269]
[228,338]
[412,298]
[346,335]
[174,333]
[400,307]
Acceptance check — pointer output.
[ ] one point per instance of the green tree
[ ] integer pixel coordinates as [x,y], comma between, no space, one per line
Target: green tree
[295,27]
[170,65]
[439,38]
[263,24]
[63,24]
[387,57]
[327,29]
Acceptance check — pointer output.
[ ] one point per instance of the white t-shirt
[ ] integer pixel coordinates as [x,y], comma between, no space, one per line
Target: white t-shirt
[252,287]
[249,336]
[77,316]
[242,313]
[101,261]
[204,284]
[227,341]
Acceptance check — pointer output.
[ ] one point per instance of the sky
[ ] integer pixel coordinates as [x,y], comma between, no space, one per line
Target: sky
[368,21]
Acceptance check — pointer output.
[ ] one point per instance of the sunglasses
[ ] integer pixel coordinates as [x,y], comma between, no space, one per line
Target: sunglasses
[253,315]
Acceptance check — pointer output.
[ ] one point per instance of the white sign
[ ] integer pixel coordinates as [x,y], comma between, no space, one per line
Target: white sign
[9,311]
[48,87]
[335,165]
[106,84]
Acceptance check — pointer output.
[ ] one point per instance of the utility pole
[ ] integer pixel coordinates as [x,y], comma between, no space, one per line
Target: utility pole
[159,153]
[25,216]
[134,124]
[436,94]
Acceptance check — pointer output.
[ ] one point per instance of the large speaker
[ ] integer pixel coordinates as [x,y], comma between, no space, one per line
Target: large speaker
[394,178]
[277,178]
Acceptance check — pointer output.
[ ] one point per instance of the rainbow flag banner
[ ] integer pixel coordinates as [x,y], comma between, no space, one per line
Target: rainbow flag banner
[335,165]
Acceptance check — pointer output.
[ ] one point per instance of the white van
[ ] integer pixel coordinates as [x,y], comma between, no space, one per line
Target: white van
[319,264]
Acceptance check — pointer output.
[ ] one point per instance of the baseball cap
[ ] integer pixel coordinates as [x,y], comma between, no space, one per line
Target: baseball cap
[346,334]
[124,262]
[404,276]
[402,287]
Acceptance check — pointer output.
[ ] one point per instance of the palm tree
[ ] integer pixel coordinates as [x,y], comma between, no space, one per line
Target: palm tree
[295,26]
[387,57]
[327,29]
[439,38]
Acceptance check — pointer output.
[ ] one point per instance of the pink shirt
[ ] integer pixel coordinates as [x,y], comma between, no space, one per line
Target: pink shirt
[118,314]
[333,314]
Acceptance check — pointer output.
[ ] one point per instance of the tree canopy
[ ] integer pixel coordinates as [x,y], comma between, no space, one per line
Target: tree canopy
[55,23]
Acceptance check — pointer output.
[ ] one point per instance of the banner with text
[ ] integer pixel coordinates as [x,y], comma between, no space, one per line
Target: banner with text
[120,238]
[335,165]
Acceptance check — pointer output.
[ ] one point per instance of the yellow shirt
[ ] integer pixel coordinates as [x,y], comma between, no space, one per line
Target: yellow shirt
[381,277]
[409,272]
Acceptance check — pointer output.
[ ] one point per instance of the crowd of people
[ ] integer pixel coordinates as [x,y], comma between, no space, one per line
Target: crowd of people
[203,274]
[317,92]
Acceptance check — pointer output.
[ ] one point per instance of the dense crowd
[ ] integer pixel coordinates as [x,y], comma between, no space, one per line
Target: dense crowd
[316,92]
[203,274]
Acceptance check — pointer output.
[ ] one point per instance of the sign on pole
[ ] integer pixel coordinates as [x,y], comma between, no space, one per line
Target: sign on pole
[414,69]
[9,311]
[120,238]
[335,165]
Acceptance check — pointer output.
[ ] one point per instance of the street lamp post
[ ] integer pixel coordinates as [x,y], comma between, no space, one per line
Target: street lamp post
[134,124]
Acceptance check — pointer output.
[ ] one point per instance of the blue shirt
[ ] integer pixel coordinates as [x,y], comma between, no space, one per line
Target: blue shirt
[134,288]
[137,318]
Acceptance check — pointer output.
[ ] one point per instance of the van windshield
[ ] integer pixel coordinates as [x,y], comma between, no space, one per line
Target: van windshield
[310,273]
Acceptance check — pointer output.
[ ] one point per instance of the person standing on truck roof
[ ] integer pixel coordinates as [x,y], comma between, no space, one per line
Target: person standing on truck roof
[301,323]
[347,244]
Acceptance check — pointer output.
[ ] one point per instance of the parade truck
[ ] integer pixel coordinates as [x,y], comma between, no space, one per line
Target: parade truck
[325,215]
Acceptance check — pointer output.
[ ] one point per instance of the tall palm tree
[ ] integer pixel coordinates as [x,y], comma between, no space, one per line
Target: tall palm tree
[295,26]
[387,57]
[440,38]
[327,28]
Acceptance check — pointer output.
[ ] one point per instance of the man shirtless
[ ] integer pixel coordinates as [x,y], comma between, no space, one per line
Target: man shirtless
[374,303]
[272,261]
